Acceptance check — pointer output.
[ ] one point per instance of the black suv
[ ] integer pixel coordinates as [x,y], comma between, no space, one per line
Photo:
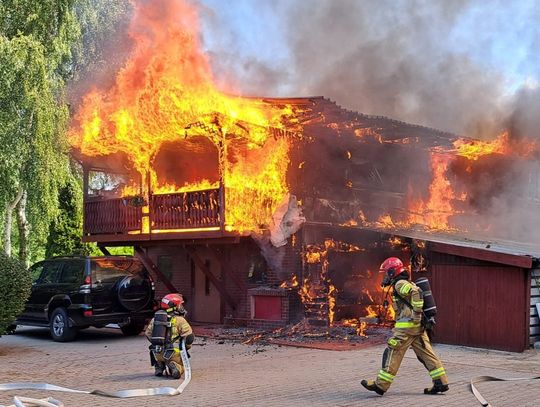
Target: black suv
[72,293]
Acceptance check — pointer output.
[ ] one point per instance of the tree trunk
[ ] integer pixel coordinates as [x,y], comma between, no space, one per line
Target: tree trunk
[24,229]
[8,221]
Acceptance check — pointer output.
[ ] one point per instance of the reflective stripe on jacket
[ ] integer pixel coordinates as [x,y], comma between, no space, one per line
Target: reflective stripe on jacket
[405,316]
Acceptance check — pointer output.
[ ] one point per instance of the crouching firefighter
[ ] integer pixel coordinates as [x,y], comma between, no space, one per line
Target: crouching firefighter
[410,330]
[166,331]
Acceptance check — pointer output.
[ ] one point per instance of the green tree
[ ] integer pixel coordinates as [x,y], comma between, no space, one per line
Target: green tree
[65,230]
[43,45]
[35,50]
[34,160]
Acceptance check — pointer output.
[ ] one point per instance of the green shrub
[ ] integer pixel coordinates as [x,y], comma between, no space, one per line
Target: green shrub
[15,285]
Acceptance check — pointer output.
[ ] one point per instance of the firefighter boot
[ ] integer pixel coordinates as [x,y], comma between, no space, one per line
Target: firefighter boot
[371,386]
[175,370]
[438,387]
[159,367]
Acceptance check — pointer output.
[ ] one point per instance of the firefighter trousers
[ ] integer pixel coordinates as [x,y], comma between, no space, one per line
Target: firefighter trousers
[401,340]
[165,358]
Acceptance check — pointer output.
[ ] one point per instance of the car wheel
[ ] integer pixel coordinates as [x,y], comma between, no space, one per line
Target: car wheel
[59,326]
[132,328]
[10,330]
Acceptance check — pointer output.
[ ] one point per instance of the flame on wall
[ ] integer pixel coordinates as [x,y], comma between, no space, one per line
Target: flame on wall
[166,93]
[313,290]
[445,196]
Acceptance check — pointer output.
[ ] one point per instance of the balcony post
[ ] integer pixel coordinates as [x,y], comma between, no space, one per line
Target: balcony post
[222,205]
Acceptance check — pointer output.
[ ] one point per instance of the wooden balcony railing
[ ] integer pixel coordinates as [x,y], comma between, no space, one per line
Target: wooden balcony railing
[186,210]
[111,216]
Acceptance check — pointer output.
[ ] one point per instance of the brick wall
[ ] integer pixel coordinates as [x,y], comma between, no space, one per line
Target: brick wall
[180,271]
[244,261]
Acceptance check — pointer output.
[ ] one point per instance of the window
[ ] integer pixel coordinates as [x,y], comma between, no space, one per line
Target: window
[108,271]
[72,272]
[36,271]
[102,184]
[165,265]
[257,272]
[51,272]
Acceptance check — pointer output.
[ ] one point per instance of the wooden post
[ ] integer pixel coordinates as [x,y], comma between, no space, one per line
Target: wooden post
[221,201]
[152,268]
[85,198]
[104,250]
[224,267]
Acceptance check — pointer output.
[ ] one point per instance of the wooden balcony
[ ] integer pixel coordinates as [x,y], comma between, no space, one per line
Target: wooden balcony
[111,216]
[165,216]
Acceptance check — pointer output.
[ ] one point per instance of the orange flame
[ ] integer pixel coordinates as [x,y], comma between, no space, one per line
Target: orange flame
[332,293]
[372,311]
[292,283]
[473,149]
[350,222]
[355,323]
[305,290]
[396,242]
[436,211]
[385,221]
[166,93]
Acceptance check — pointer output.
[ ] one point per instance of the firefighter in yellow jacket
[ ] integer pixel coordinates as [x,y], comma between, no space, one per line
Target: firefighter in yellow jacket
[166,331]
[409,331]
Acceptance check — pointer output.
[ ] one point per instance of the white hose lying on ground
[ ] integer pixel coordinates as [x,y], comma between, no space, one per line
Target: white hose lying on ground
[154,391]
[27,402]
[480,379]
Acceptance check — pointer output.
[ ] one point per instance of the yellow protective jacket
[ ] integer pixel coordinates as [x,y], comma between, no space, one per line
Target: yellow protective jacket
[180,328]
[407,317]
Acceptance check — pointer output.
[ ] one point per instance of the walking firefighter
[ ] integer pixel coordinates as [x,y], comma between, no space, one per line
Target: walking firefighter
[415,311]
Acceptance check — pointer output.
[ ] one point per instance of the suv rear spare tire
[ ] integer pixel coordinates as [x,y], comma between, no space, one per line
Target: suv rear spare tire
[134,292]
[59,326]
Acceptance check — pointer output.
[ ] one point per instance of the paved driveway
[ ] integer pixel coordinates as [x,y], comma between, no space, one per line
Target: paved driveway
[232,374]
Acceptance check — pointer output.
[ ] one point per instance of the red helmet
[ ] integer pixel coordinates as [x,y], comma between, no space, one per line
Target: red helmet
[392,267]
[171,301]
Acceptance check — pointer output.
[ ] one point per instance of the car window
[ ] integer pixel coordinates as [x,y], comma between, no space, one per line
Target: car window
[50,273]
[35,271]
[72,272]
[110,270]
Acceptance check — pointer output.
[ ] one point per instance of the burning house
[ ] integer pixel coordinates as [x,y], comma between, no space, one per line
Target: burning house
[264,211]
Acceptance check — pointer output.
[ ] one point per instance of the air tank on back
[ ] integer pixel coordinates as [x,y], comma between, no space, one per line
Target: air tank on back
[430,308]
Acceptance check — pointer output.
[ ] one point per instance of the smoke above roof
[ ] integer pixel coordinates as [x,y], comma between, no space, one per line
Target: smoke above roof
[419,61]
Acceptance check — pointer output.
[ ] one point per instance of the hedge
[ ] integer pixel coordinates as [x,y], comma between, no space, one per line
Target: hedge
[15,285]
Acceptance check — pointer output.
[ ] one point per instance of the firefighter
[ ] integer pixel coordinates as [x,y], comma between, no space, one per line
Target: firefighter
[166,331]
[409,330]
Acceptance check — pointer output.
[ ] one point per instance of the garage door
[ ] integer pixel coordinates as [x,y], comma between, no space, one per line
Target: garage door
[480,304]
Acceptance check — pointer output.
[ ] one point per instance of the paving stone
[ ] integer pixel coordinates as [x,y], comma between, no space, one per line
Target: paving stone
[231,374]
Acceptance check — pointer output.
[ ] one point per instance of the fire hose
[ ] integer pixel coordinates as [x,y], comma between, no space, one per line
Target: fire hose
[480,379]
[155,391]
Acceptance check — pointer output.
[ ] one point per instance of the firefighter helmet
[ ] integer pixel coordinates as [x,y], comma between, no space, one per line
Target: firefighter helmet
[174,301]
[391,267]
